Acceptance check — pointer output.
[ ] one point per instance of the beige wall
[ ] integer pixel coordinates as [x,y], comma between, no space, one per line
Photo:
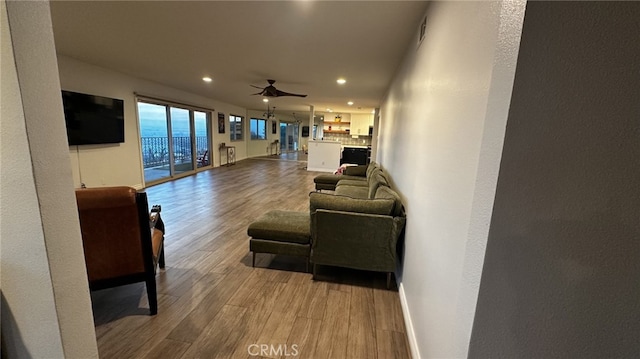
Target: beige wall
[440,137]
[46,309]
[121,164]
[256,148]
[562,267]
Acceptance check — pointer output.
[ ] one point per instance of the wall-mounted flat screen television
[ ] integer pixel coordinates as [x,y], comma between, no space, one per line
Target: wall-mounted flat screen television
[93,119]
[305,131]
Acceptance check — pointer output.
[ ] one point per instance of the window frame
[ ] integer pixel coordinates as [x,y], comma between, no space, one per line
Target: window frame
[258,121]
[234,122]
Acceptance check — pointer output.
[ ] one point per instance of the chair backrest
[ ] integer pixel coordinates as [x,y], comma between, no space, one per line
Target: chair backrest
[115,232]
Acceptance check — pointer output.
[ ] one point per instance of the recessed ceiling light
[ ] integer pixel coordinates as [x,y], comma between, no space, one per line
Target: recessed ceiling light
[373,111]
[350,103]
[330,110]
[265,100]
[341,81]
[207,79]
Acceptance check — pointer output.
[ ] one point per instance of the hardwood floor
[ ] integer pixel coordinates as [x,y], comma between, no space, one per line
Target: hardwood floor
[213,304]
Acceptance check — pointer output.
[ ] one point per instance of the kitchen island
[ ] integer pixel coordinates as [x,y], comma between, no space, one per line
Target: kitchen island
[324,156]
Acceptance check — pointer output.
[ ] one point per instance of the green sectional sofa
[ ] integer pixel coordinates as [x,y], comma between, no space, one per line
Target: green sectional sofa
[358,226]
[356,173]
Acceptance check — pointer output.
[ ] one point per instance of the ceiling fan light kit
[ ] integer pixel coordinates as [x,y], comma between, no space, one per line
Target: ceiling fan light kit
[270,114]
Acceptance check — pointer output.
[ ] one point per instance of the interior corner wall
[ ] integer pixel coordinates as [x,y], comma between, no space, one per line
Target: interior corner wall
[440,137]
[562,263]
[121,164]
[46,308]
[257,148]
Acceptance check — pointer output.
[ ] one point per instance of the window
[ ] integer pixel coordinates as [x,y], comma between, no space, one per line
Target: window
[258,129]
[235,127]
[167,134]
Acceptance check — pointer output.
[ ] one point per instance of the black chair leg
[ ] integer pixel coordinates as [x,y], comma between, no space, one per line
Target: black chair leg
[152,295]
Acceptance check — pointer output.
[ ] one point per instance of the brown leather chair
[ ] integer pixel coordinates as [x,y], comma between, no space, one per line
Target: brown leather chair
[122,242]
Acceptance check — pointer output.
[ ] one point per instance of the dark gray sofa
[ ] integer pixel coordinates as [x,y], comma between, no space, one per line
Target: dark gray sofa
[358,233]
[357,226]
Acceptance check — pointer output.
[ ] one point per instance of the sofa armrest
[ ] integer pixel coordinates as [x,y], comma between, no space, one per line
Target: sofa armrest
[355,240]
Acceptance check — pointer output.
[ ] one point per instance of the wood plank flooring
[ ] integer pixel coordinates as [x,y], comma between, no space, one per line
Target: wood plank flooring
[213,304]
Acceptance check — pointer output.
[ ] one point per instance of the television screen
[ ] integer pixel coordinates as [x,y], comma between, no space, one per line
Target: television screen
[305,131]
[93,119]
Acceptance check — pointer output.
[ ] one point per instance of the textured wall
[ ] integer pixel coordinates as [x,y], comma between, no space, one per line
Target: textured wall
[29,320]
[121,164]
[441,130]
[562,266]
[46,308]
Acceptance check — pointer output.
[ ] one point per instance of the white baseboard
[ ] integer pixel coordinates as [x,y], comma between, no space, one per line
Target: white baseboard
[413,343]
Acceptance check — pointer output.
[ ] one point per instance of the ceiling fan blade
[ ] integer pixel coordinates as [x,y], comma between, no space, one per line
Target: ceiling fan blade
[271,91]
[282,93]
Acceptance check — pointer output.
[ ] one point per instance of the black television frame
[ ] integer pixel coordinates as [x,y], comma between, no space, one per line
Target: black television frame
[92,119]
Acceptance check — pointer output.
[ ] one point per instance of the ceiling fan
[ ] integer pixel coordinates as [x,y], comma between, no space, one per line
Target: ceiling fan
[271,91]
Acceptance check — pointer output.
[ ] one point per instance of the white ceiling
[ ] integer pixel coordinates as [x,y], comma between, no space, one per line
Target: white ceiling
[303,45]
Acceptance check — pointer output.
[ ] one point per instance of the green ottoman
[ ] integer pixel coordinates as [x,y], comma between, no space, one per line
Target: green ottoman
[281,232]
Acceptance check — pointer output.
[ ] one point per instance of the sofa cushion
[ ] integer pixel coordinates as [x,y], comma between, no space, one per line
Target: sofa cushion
[329,181]
[333,179]
[337,202]
[349,182]
[385,192]
[372,165]
[377,179]
[285,226]
[360,170]
[361,192]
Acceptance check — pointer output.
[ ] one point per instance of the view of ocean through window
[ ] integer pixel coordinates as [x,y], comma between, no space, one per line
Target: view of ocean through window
[154,122]
[155,133]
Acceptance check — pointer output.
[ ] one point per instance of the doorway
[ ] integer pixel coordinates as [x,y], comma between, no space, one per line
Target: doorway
[289,141]
[175,140]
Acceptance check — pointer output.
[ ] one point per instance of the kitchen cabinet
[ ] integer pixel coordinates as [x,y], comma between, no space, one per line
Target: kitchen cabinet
[360,123]
[336,127]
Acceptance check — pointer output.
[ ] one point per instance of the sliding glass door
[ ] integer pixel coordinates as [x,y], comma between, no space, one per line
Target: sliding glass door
[175,140]
[288,137]
[154,133]
[181,132]
[200,120]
